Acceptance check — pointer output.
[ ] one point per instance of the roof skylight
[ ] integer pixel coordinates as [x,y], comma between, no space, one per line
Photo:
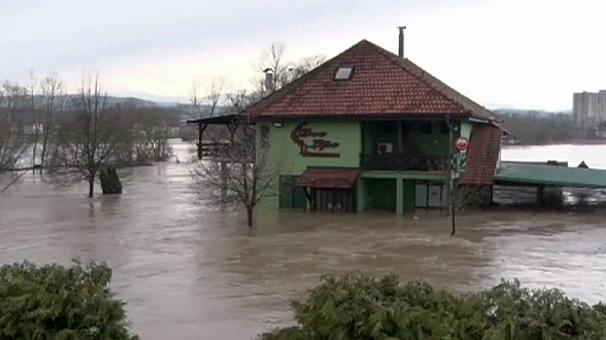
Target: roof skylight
[344,73]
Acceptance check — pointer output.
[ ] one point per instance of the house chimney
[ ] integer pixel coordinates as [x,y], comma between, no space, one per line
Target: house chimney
[401,40]
[269,79]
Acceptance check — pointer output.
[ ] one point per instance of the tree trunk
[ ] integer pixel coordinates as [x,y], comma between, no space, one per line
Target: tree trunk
[44,148]
[249,214]
[224,183]
[34,151]
[91,186]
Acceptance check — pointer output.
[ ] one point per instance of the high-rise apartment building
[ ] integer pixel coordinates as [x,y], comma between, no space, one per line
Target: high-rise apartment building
[589,108]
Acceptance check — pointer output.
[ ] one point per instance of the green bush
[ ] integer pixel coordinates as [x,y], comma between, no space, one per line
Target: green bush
[59,303]
[358,307]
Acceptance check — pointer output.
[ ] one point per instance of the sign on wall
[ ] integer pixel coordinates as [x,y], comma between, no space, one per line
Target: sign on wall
[313,143]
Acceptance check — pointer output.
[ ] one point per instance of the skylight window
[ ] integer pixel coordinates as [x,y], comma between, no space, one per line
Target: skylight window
[344,73]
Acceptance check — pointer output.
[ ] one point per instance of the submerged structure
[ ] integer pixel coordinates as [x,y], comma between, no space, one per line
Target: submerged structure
[369,129]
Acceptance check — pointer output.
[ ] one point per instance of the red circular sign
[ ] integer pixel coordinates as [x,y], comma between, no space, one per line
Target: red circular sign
[462,144]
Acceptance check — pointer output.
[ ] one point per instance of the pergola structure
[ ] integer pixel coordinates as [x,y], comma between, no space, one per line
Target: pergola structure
[209,149]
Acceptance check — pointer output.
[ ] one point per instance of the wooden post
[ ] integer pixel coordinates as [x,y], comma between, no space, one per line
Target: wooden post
[201,128]
[232,127]
[400,142]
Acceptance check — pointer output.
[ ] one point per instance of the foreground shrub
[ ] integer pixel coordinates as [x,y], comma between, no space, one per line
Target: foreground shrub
[358,307]
[55,302]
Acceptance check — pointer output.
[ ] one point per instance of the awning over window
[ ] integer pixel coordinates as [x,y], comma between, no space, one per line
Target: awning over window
[329,178]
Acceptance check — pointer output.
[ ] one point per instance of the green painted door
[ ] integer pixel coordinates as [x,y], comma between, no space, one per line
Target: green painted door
[291,195]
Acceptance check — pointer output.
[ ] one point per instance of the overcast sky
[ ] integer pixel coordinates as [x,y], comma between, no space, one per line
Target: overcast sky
[510,53]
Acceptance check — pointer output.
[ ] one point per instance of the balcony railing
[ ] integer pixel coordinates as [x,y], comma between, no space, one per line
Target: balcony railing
[399,161]
[211,149]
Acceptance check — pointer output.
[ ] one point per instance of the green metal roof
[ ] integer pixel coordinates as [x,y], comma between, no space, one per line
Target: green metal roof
[529,173]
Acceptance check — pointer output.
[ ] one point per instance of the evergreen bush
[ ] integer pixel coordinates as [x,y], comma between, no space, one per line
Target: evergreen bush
[59,303]
[358,307]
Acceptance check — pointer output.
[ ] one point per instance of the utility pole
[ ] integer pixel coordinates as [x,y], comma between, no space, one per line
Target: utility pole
[451,177]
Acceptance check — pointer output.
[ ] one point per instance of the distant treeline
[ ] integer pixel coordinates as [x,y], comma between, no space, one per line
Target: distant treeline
[536,128]
[42,127]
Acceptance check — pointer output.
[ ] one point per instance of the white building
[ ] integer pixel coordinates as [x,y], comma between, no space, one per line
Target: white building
[589,108]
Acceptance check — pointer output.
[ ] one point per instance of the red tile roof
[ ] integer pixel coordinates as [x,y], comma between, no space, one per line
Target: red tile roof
[329,178]
[482,155]
[382,85]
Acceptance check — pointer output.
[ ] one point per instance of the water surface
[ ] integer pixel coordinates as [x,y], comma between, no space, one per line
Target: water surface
[188,271]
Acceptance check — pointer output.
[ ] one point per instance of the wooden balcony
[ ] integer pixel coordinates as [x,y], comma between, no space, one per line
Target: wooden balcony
[403,162]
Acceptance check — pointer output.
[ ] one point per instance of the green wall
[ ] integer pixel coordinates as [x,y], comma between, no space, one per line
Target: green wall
[354,138]
[284,154]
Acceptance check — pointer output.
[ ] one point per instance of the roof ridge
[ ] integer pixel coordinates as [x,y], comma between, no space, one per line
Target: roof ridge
[455,96]
[464,105]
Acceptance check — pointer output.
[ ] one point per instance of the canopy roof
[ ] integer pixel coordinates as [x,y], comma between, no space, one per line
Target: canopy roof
[529,173]
[217,120]
[329,178]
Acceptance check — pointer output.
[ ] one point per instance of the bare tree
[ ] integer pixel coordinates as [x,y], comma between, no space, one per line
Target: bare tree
[36,123]
[237,175]
[283,71]
[208,105]
[52,99]
[240,173]
[13,142]
[272,61]
[89,137]
[153,129]
[305,65]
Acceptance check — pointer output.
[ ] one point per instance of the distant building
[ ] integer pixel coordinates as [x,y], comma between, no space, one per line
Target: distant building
[589,109]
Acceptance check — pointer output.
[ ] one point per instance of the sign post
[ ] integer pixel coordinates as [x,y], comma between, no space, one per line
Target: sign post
[457,166]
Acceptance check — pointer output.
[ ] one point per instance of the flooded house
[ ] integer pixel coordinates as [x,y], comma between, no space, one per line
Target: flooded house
[369,129]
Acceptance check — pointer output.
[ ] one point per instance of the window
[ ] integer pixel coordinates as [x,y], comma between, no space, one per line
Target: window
[406,128]
[426,128]
[390,129]
[344,73]
[444,129]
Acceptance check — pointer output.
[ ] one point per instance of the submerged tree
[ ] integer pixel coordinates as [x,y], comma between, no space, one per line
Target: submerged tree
[240,172]
[52,100]
[35,138]
[236,174]
[88,136]
[13,141]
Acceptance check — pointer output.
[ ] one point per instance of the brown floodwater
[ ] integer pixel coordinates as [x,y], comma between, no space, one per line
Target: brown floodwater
[188,271]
